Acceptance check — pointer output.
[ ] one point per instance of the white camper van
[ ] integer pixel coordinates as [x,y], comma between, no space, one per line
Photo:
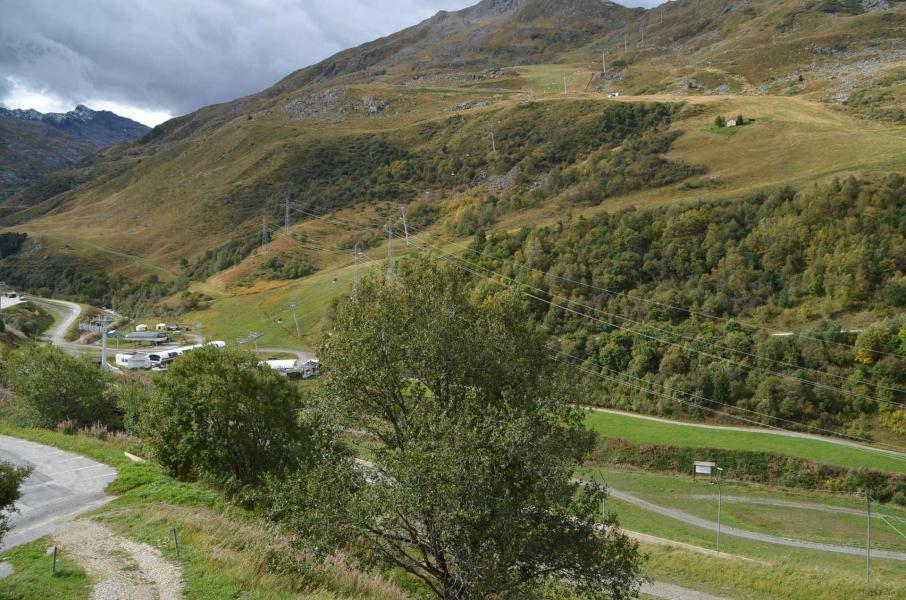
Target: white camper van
[133,361]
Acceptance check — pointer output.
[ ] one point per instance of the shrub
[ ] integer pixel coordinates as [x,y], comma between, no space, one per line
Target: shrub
[52,386]
[219,416]
[720,121]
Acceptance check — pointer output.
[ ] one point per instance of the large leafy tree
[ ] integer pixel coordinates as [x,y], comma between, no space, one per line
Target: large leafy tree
[470,487]
[218,415]
[52,386]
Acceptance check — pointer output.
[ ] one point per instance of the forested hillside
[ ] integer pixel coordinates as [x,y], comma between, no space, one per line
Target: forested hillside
[664,300]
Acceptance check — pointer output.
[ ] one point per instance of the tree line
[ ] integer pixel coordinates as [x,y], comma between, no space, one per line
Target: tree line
[666,297]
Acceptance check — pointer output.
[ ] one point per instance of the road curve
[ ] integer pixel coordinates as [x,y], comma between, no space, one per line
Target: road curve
[783,433]
[61,486]
[751,535]
[67,313]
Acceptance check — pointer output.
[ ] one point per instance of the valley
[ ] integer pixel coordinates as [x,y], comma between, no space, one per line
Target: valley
[543,249]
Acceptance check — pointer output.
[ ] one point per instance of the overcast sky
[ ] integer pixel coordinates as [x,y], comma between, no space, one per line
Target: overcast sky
[153,59]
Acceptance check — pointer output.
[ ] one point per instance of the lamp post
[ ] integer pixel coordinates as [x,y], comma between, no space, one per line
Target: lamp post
[719,501]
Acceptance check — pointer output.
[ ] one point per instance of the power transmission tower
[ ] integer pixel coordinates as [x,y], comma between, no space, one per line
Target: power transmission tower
[405,226]
[389,249]
[626,43]
[564,84]
[493,142]
[286,215]
[604,61]
[357,253]
[292,306]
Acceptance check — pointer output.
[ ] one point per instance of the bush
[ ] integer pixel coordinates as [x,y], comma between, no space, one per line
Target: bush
[219,416]
[11,478]
[719,121]
[52,386]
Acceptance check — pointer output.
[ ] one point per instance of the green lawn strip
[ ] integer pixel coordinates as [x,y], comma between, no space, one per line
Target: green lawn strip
[799,523]
[33,578]
[644,431]
[812,565]
[745,580]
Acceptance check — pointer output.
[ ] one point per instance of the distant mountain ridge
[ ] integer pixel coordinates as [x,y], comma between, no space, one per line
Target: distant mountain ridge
[98,127]
[34,144]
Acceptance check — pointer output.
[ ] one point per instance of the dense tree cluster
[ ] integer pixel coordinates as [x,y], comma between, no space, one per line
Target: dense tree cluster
[647,278]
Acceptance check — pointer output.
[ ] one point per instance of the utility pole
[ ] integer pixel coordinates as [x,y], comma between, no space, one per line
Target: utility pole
[263,232]
[604,61]
[719,499]
[868,539]
[626,43]
[493,142]
[292,306]
[564,84]
[405,226]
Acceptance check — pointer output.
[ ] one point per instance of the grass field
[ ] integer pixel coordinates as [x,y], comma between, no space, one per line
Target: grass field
[795,573]
[33,578]
[645,431]
[821,518]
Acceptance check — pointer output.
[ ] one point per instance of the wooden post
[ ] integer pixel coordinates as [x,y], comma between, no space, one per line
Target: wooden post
[53,569]
[176,542]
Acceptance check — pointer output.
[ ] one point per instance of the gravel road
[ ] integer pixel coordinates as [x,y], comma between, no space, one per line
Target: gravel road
[121,569]
[675,592]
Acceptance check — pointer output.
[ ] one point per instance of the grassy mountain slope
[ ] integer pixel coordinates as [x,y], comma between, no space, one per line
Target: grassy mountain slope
[408,119]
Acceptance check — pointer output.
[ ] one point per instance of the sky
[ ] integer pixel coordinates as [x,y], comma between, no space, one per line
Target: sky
[155,59]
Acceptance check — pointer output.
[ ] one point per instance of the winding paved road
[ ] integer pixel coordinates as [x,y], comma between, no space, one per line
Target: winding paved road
[752,535]
[67,314]
[61,486]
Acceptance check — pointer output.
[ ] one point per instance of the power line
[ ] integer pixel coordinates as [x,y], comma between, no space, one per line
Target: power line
[689,394]
[655,302]
[617,374]
[816,384]
[655,338]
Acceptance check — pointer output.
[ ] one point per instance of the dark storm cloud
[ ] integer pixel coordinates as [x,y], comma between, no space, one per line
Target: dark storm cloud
[174,56]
